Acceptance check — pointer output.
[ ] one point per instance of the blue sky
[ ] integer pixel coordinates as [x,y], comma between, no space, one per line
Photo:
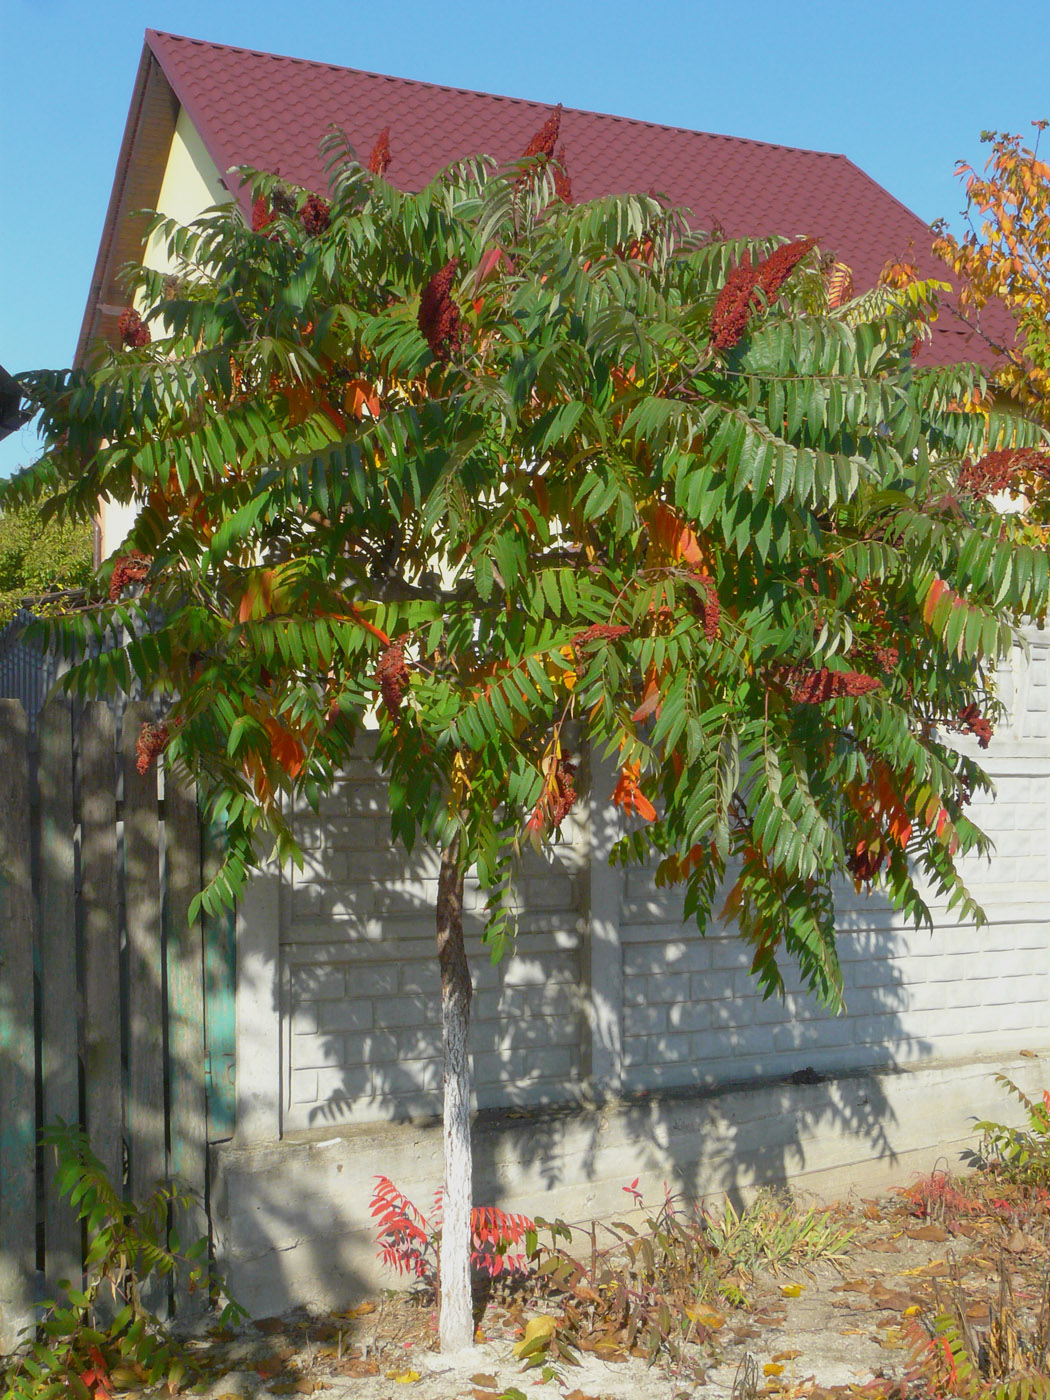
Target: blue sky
[904,89]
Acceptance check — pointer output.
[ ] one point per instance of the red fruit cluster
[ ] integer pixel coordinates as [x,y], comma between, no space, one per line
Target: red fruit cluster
[734,304]
[563,799]
[598,632]
[781,263]
[379,160]
[315,215]
[997,471]
[152,741]
[392,677]
[562,183]
[129,568]
[808,687]
[132,329]
[886,658]
[739,297]
[439,318]
[971,721]
[710,608]
[546,139]
[262,214]
[864,864]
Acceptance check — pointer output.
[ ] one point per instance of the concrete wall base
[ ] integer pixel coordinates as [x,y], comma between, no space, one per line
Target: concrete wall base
[292,1220]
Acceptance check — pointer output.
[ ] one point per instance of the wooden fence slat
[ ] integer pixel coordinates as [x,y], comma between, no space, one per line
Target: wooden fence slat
[185,966]
[101,938]
[145,1104]
[17,1049]
[58,975]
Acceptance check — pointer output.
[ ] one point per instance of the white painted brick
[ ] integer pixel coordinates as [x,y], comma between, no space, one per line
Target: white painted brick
[304,1086]
[304,1020]
[343,1083]
[641,1021]
[369,1047]
[412,1009]
[347,1015]
[418,1043]
[318,982]
[355,834]
[689,1016]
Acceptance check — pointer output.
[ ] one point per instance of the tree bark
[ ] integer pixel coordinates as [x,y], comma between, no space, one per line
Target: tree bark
[456,1325]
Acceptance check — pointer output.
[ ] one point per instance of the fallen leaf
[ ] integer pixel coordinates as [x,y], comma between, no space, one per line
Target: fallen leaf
[786,1355]
[362,1310]
[404,1377]
[935,1233]
[536,1329]
[270,1325]
[706,1317]
[1028,1054]
[791,1290]
[356,1367]
[1016,1244]
[772,1368]
[483,1378]
[936,1268]
[914,1310]
[854,1285]
[578,1394]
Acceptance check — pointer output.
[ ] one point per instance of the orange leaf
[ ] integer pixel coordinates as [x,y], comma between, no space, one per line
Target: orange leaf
[650,702]
[629,796]
[938,588]
[669,532]
[287,749]
[358,396]
[257,598]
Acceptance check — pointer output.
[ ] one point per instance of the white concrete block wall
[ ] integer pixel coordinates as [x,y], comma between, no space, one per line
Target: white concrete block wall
[360,991]
[359,985]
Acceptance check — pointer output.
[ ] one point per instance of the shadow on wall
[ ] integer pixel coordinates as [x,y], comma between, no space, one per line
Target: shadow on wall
[361,1054]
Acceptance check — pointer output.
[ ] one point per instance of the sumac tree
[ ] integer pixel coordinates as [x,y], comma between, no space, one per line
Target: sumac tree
[504,475]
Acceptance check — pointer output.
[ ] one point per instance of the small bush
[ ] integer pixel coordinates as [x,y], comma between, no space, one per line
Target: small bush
[101,1337]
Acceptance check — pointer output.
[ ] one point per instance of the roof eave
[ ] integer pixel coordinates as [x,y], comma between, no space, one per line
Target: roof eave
[137,181]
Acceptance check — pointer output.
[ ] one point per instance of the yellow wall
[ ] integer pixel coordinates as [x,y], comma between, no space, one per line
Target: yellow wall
[191,184]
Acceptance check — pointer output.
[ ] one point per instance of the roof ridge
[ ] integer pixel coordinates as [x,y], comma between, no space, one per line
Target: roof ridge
[498,96]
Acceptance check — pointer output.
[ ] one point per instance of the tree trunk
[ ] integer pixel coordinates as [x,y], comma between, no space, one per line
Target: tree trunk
[456,1328]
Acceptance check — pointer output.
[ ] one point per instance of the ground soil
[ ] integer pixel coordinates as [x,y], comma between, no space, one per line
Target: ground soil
[829,1330]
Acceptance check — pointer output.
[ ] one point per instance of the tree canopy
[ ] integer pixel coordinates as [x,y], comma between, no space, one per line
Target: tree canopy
[37,559]
[1003,258]
[506,471]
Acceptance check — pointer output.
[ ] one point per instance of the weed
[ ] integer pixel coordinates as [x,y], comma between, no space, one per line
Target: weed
[408,1240]
[1006,1361]
[1019,1154]
[773,1232]
[101,1337]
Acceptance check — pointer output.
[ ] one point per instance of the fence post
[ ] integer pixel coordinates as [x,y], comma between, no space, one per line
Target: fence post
[145,1106]
[185,966]
[103,1095]
[59,1007]
[17,1050]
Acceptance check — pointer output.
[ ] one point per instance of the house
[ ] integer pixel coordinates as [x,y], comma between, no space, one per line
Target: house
[615,1043]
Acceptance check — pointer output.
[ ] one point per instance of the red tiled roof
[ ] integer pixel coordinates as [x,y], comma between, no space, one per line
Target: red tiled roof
[270,112]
